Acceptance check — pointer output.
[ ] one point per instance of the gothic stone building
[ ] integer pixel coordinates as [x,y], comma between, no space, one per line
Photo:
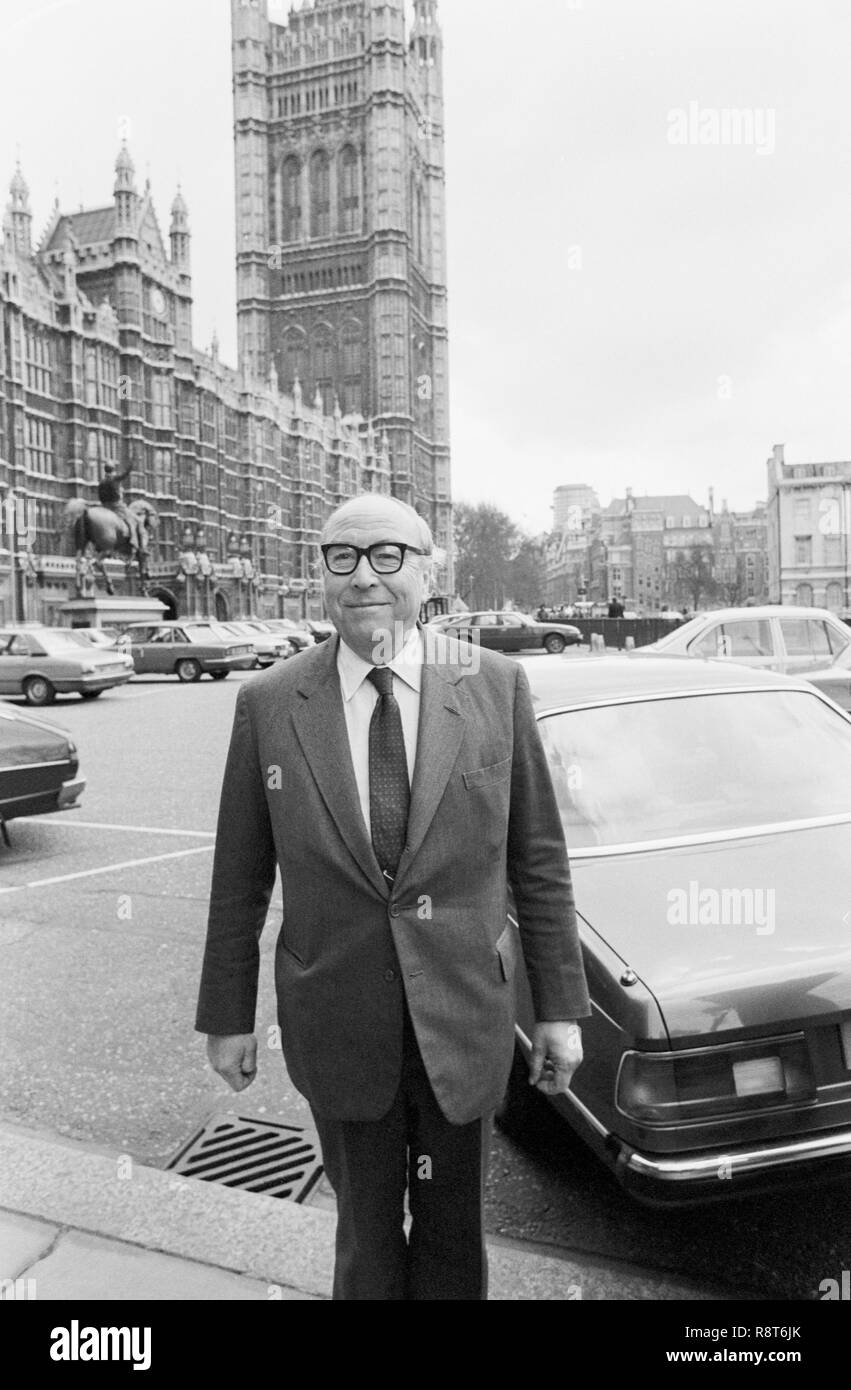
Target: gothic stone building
[97,366]
[340,214]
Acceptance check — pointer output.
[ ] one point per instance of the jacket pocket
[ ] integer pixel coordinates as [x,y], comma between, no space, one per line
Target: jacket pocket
[486,776]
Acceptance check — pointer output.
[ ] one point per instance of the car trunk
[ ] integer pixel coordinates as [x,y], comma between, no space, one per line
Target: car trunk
[747,934]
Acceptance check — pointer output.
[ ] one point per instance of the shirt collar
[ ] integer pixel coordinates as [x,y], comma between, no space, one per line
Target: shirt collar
[407,665]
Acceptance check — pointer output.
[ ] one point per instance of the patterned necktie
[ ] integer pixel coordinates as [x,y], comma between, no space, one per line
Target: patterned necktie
[389,791]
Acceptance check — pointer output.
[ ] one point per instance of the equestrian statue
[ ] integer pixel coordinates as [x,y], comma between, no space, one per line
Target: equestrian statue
[113,528]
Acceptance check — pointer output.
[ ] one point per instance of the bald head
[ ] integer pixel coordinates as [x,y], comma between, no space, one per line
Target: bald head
[373,510]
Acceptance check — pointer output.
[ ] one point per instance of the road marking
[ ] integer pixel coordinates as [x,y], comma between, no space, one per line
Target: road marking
[107,869]
[137,829]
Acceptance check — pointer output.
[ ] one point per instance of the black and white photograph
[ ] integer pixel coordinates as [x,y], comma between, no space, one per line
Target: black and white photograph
[425,665]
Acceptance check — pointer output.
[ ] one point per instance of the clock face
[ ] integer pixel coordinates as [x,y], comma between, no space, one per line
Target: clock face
[158,302]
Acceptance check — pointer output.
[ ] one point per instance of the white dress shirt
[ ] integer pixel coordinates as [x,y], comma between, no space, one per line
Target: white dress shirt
[359,699]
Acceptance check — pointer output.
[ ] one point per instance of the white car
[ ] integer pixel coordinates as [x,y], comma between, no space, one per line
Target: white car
[772,638]
[98,636]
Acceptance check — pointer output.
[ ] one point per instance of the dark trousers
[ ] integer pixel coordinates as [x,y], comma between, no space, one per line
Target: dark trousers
[371,1163]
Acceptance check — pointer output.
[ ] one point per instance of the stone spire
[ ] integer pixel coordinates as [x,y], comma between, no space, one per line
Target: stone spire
[19,216]
[124,191]
[179,231]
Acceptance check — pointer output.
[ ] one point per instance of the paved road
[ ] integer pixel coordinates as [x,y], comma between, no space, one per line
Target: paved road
[102,917]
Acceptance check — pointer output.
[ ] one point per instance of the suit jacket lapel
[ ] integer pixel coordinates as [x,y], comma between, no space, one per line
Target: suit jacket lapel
[320,724]
[439,741]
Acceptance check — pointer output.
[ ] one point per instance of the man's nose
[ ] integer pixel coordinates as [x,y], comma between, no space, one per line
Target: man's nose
[364,576]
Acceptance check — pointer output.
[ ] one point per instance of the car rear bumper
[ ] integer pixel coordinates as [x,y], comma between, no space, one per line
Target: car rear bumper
[70,793]
[45,801]
[79,687]
[229,663]
[672,1180]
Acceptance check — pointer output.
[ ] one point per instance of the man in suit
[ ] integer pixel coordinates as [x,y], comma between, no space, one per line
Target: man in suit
[396,786]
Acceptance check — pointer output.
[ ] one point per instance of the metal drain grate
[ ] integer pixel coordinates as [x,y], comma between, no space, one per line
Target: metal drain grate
[277,1160]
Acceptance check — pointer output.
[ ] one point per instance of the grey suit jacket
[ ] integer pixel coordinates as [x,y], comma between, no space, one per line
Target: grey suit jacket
[482,813]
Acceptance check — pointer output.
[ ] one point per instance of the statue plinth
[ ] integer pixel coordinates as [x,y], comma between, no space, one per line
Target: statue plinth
[102,610]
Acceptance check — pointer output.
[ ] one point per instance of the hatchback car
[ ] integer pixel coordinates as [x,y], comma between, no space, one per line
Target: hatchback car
[772,638]
[43,662]
[512,632]
[186,649]
[707,813]
[39,769]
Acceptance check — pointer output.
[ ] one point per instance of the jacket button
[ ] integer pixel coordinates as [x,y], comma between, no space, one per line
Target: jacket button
[395,911]
[390,976]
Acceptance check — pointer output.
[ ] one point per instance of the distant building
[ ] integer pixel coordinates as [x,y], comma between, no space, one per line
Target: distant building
[809,520]
[646,550]
[644,536]
[576,512]
[97,366]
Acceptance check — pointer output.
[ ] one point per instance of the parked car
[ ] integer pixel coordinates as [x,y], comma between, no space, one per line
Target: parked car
[285,627]
[42,662]
[835,680]
[320,629]
[39,768]
[445,620]
[269,647]
[512,632]
[772,638]
[186,649]
[105,637]
[707,812]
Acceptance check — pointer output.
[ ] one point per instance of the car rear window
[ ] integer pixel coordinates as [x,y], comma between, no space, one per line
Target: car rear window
[59,643]
[697,765]
[805,637]
[739,641]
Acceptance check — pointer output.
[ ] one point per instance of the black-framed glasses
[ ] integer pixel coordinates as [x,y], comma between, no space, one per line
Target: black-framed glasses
[385,557]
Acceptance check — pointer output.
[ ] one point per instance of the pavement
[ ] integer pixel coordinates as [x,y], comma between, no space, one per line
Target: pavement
[81,1222]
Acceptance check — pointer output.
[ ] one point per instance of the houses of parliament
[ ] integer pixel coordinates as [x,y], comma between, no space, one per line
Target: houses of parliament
[341,381]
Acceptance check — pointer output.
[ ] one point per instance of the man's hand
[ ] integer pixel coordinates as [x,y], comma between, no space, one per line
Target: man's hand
[556,1053]
[234,1058]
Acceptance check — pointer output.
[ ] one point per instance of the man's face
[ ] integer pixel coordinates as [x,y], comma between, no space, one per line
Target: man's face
[365,606]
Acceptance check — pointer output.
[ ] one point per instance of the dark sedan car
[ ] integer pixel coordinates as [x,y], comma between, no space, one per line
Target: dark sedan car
[38,767]
[707,811]
[512,632]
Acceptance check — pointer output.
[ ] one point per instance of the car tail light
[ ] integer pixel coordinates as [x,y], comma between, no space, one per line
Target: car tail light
[664,1088]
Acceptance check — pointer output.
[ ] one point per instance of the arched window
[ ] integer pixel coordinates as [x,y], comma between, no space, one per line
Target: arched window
[833,597]
[320,194]
[804,595]
[349,185]
[291,199]
[295,357]
[351,366]
[322,364]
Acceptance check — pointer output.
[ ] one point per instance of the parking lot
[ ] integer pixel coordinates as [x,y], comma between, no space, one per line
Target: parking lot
[102,916]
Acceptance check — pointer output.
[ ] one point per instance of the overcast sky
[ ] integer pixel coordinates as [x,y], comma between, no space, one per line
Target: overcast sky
[635,298]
